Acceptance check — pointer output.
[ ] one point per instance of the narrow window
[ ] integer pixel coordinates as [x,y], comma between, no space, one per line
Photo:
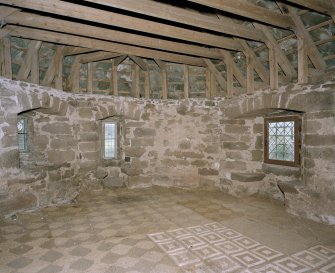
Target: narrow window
[22,134]
[282,140]
[110,140]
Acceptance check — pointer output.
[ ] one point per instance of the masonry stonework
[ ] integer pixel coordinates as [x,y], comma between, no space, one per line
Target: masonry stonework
[186,143]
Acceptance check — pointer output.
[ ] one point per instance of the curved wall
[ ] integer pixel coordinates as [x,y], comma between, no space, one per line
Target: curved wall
[187,143]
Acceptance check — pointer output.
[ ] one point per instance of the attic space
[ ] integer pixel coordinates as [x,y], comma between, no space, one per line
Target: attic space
[155,136]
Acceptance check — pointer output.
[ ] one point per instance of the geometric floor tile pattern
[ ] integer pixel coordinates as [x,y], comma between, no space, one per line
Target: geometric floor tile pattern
[213,247]
[189,231]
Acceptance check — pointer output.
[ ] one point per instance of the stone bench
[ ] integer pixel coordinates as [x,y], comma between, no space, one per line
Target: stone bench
[242,184]
[247,177]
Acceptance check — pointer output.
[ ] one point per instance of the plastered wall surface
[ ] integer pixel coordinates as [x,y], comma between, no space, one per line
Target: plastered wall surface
[173,143]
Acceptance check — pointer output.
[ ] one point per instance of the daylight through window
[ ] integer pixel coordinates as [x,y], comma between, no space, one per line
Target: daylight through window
[282,140]
[110,140]
[22,133]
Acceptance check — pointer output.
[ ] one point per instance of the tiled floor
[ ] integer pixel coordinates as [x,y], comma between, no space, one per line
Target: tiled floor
[165,230]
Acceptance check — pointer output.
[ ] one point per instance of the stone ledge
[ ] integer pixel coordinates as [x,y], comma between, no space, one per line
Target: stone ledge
[247,177]
[290,186]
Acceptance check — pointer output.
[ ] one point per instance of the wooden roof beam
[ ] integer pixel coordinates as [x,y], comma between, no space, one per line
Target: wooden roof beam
[70,50]
[322,6]
[119,60]
[301,31]
[221,80]
[248,10]
[37,21]
[96,56]
[283,61]
[228,59]
[6,11]
[53,66]
[141,63]
[73,40]
[27,63]
[71,10]
[180,15]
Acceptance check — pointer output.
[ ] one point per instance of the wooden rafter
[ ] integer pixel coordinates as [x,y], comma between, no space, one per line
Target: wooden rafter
[222,82]
[180,15]
[141,63]
[302,61]
[96,56]
[235,69]
[313,52]
[30,64]
[5,58]
[90,72]
[53,66]
[118,20]
[186,81]
[37,21]
[250,74]
[257,64]
[70,51]
[283,61]
[322,6]
[136,82]
[248,10]
[67,39]
[73,80]
[273,63]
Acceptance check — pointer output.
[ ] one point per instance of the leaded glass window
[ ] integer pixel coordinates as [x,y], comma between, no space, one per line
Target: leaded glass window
[282,140]
[22,133]
[110,140]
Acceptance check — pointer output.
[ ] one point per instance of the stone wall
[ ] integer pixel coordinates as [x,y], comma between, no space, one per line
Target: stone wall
[185,143]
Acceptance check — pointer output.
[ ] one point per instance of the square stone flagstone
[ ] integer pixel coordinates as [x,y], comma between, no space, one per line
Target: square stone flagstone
[323,251]
[292,265]
[153,256]
[179,232]
[81,264]
[248,259]
[51,269]
[215,226]
[20,262]
[21,249]
[159,237]
[270,268]
[267,253]
[185,258]
[191,241]
[171,246]
[206,251]
[51,256]
[198,229]
[229,247]
[212,237]
[309,258]
[329,268]
[224,264]
[246,242]
[229,233]
[80,251]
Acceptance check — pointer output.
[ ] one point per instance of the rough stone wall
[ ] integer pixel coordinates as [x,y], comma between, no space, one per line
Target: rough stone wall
[309,189]
[186,143]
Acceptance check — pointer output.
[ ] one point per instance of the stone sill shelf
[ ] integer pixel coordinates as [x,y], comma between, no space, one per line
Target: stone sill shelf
[290,186]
